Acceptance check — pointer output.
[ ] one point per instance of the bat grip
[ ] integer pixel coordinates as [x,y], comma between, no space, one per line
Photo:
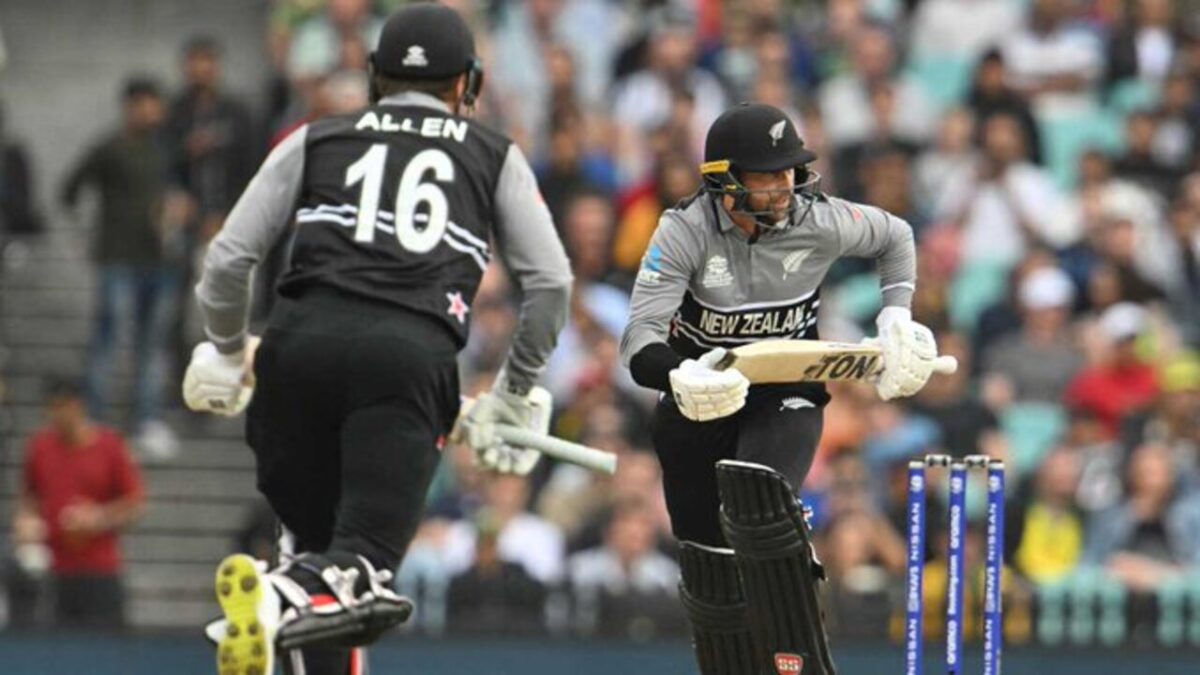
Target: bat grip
[725,361]
[588,458]
[945,365]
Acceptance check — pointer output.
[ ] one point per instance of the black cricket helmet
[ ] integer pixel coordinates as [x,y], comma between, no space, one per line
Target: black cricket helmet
[761,138]
[427,41]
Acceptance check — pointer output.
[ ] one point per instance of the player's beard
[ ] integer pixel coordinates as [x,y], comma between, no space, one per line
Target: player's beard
[777,210]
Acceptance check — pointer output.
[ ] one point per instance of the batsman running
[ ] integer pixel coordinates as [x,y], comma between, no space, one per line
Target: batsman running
[742,261]
[391,213]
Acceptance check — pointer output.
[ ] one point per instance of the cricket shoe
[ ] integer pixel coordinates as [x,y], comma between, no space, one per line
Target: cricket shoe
[342,618]
[245,637]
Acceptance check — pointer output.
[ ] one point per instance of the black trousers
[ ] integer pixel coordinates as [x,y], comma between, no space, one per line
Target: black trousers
[776,428]
[89,602]
[351,402]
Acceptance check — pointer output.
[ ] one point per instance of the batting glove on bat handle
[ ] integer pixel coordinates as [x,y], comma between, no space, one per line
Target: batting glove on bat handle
[942,365]
[704,393]
[215,382]
[479,427]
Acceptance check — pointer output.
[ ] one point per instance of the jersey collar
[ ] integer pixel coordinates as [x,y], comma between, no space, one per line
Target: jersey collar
[724,222]
[415,98]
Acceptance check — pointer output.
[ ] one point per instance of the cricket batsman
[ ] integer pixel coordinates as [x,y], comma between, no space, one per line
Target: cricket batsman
[740,261]
[392,213]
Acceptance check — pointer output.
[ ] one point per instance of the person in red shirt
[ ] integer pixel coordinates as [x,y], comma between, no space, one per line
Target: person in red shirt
[80,488]
[1122,384]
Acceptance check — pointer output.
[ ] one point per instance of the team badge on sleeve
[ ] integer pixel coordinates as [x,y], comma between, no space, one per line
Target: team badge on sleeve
[458,307]
[651,270]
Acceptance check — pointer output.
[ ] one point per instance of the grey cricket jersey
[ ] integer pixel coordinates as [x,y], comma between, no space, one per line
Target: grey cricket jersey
[401,203]
[704,283]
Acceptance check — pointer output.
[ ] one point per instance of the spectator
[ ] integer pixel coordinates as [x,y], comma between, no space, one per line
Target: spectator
[213,132]
[495,319]
[1003,206]
[573,497]
[737,61]
[1052,530]
[968,426]
[1178,136]
[952,153]
[1121,383]
[884,140]
[1139,164]
[129,170]
[845,100]
[643,101]
[858,544]
[18,211]
[894,436]
[1100,460]
[525,41]
[886,174]
[627,564]
[1121,247]
[1174,420]
[538,39]
[80,489]
[1100,197]
[675,178]
[1039,362]
[588,227]
[212,135]
[494,596]
[960,30]
[1145,46]
[1053,63]
[317,45]
[571,168]
[520,536]
[1155,533]
[992,94]
[832,36]
[638,483]
[1185,291]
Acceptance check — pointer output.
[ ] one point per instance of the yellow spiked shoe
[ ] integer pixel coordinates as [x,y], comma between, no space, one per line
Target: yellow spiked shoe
[251,608]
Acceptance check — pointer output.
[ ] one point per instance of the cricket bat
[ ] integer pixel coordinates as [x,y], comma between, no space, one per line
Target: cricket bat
[581,455]
[780,361]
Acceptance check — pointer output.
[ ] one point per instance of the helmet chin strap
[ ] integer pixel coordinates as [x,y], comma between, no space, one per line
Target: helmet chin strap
[767,221]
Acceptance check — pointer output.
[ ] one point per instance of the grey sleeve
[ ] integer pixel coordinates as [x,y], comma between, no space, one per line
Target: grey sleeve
[530,249]
[662,280]
[261,215]
[869,232]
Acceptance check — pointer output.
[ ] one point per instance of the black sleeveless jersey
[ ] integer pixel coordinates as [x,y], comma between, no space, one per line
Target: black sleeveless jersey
[397,204]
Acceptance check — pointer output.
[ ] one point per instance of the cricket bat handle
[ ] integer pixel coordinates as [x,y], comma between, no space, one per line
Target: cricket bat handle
[945,365]
[588,458]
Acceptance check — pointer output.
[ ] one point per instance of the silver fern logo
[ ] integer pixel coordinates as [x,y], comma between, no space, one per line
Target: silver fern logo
[776,132]
[795,403]
[793,261]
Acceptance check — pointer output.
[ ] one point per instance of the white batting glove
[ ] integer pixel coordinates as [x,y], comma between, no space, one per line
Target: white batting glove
[477,428]
[215,382]
[704,394]
[909,353]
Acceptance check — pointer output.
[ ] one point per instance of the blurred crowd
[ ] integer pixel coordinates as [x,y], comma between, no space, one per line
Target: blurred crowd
[1045,153]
